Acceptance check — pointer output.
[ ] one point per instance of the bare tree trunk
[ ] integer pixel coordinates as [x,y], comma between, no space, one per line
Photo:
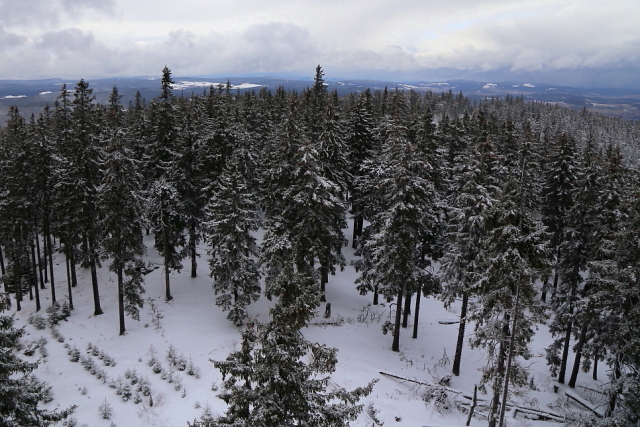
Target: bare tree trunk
[121,300]
[49,254]
[416,315]
[18,271]
[324,275]
[40,267]
[565,353]
[457,359]
[595,366]
[74,276]
[613,397]
[97,309]
[407,311]
[30,273]
[375,295]
[192,247]
[68,263]
[514,326]
[545,286]
[34,269]
[396,329]
[499,376]
[167,279]
[357,230]
[473,405]
[2,269]
[45,256]
[576,362]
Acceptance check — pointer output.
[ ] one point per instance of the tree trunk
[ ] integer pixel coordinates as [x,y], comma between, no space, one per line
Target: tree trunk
[2,269]
[67,262]
[40,267]
[555,282]
[74,276]
[576,362]
[545,285]
[565,353]
[473,405]
[457,359]
[324,275]
[18,270]
[416,315]
[613,397]
[595,366]
[45,256]
[357,230]
[375,295]
[407,311]
[97,309]
[49,254]
[499,376]
[396,329]
[30,275]
[34,269]
[514,326]
[192,247]
[121,300]
[167,261]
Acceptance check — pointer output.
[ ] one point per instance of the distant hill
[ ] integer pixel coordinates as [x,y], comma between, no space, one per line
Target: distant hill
[32,95]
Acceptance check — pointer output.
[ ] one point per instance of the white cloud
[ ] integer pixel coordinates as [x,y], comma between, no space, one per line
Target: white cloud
[91,38]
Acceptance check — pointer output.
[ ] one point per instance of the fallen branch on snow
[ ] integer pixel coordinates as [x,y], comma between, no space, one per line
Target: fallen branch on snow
[542,415]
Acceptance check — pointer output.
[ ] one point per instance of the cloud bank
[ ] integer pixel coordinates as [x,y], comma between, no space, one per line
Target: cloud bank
[591,42]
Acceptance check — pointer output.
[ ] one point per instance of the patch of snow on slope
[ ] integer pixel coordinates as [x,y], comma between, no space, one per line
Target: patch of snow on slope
[196,327]
[190,84]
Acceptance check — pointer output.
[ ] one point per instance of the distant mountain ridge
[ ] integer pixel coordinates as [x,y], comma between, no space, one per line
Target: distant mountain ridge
[32,95]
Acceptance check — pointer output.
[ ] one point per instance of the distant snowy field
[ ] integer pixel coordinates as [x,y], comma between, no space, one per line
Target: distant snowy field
[196,327]
[193,84]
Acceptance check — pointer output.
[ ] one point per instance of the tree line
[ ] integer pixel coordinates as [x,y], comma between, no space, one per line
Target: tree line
[523,213]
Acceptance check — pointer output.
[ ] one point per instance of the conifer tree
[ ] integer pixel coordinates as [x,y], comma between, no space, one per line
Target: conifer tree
[506,309]
[558,190]
[360,141]
[122,219]
[475,190]
[231,217]
[20,391]
[77,176]
[166,209]
[305,210]
[392,250]
[17,205]
[268,383]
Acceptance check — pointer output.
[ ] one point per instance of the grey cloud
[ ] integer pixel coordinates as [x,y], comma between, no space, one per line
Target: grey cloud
[48,13]
[10,41]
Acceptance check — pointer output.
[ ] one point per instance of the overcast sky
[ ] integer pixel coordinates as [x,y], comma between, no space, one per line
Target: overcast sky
[590,42]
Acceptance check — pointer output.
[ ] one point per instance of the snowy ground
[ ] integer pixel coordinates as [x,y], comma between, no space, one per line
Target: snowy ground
[198,329]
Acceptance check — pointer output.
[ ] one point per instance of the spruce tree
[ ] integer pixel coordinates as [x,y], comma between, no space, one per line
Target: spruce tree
[20,391]
[268,382]
[166,209]
[120,201]
[231,217]
[392,250]
[506,309]
[475,190]
[17,206]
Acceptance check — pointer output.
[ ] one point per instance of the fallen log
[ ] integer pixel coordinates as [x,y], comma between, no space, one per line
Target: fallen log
[542,415]
[582,402]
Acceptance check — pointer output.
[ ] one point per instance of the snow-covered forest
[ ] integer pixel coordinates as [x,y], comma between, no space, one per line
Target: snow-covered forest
[517,217]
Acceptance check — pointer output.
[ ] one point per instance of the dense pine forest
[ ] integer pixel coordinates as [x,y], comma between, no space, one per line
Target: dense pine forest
[526,213]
